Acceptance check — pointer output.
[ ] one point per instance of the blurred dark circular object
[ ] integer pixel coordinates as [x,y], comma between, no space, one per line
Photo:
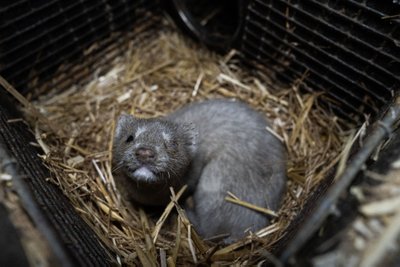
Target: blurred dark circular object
[214,23]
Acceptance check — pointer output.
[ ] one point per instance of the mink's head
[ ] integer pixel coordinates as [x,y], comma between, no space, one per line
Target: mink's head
[152,150]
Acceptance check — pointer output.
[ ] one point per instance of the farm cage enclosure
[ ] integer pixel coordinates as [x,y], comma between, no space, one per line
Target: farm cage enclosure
[346,52]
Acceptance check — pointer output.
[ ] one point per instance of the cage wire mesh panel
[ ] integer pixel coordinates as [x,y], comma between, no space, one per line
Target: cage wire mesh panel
[36,37]
[349,49]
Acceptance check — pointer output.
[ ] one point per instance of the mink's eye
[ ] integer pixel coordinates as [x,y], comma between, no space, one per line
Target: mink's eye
[174,144]
[170,145]
[129,139]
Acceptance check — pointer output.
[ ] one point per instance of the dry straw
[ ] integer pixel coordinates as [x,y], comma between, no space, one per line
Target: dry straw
[153,79]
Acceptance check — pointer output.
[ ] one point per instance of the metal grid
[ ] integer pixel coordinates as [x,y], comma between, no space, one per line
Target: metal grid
[38,36]
[349,49]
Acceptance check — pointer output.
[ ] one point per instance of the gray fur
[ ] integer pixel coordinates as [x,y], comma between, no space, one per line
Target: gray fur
[220,146]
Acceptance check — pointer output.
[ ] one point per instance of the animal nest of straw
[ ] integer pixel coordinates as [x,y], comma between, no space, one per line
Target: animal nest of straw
[154,78]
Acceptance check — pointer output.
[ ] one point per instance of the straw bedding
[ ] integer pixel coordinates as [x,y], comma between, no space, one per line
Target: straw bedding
[153,79]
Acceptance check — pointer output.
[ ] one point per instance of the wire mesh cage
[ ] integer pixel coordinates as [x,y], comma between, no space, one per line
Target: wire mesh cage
[38,37]
[349,49]
[346,51]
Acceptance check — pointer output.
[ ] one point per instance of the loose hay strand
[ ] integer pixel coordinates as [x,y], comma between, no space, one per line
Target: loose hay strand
[25,103]
[246,204]
[166,212]
[152,79]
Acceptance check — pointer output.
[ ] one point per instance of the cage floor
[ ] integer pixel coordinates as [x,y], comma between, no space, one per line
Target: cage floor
[154,78]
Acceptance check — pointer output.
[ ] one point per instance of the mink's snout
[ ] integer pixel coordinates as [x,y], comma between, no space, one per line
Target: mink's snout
[145,154]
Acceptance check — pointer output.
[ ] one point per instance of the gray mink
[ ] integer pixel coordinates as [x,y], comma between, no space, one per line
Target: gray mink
[214,146]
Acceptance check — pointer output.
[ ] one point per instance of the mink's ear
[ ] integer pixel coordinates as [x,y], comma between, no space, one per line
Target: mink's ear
[124,124]
[191,136]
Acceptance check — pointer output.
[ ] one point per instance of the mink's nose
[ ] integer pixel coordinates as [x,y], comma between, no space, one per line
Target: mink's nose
[145,154]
